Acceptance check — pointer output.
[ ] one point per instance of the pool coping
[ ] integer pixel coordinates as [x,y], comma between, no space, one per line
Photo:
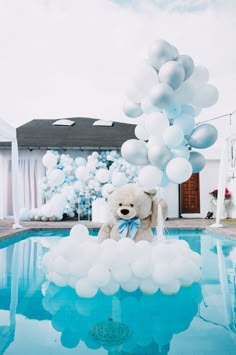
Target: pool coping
[7,232]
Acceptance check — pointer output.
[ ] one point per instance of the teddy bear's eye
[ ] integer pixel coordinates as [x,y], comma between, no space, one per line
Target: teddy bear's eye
[131,205]
[120,204]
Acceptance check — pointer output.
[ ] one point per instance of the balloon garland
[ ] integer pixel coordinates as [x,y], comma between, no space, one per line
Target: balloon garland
[71,185]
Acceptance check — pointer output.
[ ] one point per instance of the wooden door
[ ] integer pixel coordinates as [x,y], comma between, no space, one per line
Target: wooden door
[190,195]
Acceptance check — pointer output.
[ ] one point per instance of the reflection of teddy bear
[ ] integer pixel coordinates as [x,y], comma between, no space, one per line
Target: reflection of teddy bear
[134,213]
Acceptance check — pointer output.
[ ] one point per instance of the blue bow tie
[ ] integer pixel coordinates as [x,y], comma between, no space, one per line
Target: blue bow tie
[128,225]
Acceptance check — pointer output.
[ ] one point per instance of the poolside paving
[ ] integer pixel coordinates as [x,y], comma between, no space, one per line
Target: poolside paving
[228,229]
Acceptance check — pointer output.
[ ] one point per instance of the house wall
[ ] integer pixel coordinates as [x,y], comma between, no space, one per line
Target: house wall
[208,182]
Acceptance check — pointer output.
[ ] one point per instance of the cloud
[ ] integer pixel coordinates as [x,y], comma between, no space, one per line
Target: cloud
[183,6]
[76,58]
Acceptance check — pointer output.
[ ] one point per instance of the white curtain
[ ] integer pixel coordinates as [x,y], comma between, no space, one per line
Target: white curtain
[31,171]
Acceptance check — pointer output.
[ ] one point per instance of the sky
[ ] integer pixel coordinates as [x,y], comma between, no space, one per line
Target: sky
[72,58]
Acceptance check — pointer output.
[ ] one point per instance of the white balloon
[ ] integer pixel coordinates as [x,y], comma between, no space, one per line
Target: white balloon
[119,179]
[132,109]
[146,78]
[111,287]
[79,231]
[24,214]
[173,136]
[160,52]
[80,161]
[172,73]
[141,132]
[103,175]
[150,176]
[147,106]
[56,177]
[185,93]
[205,96]
[200,76]
[49,160]
[162,95]
[82,173]
[179,170]
[85,289]
[99,275]
[156,123]
[131,285]
[122,273]
[141,268]
[134,152]
[148,286]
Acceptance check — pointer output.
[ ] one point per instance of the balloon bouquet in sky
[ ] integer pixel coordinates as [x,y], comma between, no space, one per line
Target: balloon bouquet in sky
[167,94]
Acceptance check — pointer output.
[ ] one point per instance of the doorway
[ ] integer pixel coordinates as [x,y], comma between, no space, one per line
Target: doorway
[190,195]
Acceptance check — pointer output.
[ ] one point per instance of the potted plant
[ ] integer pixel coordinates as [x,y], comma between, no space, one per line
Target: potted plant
[227,200]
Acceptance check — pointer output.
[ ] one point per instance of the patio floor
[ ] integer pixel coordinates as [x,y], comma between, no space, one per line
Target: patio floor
[228,229]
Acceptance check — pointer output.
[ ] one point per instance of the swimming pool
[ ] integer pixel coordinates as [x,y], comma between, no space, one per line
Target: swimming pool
[37,317]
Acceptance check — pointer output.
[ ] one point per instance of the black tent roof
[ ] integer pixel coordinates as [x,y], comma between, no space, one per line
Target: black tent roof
[41,133]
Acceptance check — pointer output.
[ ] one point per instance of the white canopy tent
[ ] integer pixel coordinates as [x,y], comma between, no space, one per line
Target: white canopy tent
[8,134]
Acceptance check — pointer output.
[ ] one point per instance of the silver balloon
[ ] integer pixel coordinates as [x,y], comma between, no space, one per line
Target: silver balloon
[197,160]
[187,63]
[172,73]
[203,136]
[135,152]
[162,95]
[161,52]
[132,109]
[159,155]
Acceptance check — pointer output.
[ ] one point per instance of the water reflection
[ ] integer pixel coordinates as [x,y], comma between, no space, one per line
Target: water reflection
[154,322]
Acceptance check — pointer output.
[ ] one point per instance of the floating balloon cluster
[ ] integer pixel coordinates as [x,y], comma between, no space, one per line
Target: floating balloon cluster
[80,262]
[70,185]
[168,93]
[150,321]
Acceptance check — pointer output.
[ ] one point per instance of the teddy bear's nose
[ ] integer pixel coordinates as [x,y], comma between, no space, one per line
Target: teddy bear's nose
[124,211]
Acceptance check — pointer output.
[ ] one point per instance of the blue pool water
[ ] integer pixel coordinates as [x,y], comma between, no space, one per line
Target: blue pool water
[37,317]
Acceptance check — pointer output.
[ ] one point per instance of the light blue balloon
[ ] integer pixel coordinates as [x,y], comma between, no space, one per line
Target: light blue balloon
[203,136]
[186,123]
[173,111]
[197,161]
[187,109]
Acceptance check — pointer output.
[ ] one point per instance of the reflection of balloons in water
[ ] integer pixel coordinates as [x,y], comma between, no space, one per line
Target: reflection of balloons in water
[131,320]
